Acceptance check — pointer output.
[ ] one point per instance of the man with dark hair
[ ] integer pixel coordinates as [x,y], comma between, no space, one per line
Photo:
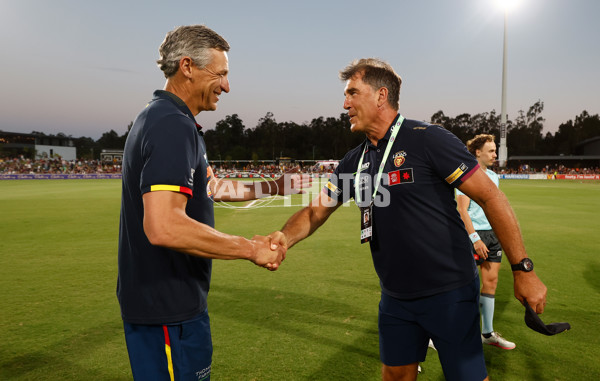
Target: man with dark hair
[403,176]
[167,238]
[486,248]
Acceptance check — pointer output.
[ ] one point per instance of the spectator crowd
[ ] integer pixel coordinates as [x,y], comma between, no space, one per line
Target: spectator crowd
[22,165]
[227,168]
[549,170]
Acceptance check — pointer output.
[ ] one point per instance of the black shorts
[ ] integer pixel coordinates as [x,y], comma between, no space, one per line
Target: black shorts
[491,241]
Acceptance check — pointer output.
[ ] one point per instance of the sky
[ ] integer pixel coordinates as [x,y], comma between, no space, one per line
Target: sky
[87,67]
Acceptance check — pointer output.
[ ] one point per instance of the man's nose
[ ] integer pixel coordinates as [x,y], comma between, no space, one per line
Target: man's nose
[346,104]
[225,84]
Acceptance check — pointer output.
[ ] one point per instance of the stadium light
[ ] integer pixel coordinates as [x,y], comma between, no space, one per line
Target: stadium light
[506,5]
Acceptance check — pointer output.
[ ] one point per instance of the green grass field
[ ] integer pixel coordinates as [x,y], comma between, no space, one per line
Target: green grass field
[314,319]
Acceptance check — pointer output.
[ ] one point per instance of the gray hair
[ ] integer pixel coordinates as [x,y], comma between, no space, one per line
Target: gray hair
[194,41]
[377,74]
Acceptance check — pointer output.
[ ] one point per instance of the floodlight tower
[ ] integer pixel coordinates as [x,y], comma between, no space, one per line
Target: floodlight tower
[502,151]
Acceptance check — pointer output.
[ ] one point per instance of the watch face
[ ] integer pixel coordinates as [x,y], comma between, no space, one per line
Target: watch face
[527,264]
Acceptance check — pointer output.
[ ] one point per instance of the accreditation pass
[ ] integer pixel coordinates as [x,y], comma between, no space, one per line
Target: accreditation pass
[366,223]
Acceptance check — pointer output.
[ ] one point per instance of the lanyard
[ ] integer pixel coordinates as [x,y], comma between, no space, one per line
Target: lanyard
[388,148]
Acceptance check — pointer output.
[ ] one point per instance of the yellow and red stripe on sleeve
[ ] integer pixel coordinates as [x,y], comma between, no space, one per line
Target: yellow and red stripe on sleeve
[172,188]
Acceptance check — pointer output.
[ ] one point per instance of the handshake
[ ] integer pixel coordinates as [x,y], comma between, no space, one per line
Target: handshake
[269,251]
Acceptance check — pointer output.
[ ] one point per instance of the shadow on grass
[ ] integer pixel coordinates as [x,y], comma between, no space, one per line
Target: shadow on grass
[591,275]
[56,360]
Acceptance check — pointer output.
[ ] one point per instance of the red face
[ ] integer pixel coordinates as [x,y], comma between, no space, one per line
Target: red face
[361,103]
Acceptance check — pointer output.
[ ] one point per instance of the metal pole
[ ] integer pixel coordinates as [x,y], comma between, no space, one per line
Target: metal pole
[503,154]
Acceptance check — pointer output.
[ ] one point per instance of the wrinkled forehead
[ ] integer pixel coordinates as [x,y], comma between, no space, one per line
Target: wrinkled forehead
[355,84]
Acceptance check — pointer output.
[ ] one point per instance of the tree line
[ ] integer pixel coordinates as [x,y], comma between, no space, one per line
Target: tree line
[330,138]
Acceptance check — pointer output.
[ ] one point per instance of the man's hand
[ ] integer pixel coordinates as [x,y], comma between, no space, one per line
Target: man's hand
[481,249]
[278,242]
[292,182]
[278,239]
[267,254]
[529,286]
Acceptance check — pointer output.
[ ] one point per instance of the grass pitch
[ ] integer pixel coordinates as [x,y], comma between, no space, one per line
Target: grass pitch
[313,319]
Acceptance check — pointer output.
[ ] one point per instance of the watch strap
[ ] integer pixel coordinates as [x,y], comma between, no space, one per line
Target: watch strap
[526,264]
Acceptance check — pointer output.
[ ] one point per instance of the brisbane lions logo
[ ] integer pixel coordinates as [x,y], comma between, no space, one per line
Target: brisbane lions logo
[399,158]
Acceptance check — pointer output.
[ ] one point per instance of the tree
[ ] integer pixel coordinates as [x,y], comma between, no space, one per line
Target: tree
[331,138]
[465,126]
[85,148]
[266,138]
[486,123]
[229,140]
[571,133]
[110,140]
[525,137]
[297,140]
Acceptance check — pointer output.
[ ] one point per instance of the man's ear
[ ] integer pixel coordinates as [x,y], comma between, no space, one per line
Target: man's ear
[185,66]
[382,96]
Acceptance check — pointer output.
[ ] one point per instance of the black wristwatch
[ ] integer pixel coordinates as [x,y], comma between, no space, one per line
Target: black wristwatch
[525,265]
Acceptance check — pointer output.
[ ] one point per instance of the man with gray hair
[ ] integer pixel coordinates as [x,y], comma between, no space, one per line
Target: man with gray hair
[167,238]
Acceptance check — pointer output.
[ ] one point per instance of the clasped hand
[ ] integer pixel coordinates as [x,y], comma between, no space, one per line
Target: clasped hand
[269,252]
